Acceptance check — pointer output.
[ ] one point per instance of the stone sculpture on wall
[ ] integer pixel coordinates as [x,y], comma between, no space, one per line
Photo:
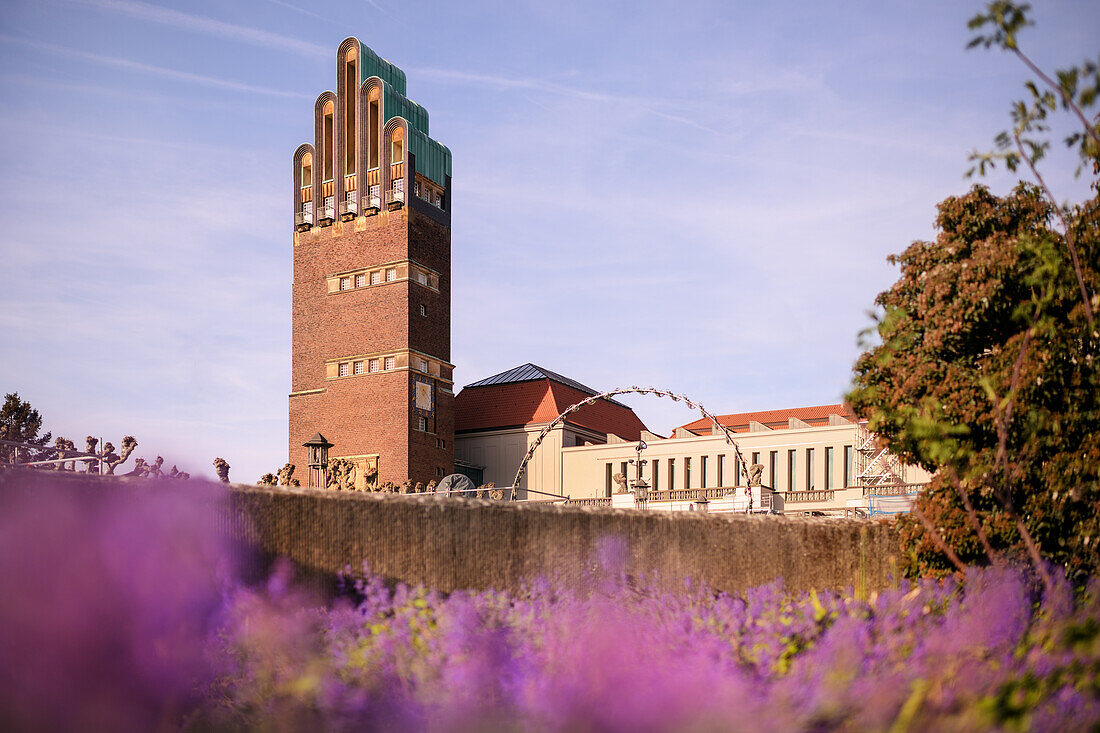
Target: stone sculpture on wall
[222,467]
[286,476]
[755,471]
[341,475]
[620,481]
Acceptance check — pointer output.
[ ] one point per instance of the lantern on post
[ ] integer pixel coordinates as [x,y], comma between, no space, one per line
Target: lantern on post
[317,461]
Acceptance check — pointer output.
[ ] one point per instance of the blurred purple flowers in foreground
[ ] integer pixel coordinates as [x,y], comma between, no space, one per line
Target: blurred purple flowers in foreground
[119,610]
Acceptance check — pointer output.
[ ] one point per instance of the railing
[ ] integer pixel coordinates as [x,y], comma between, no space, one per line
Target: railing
[396,194]
[303,219]
[327,213]
[797,497]
[690,494]
[374,197]
[893,489]
[349,207]
[598,501]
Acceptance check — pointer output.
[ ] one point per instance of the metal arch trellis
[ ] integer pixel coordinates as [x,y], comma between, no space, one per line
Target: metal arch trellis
[630,390]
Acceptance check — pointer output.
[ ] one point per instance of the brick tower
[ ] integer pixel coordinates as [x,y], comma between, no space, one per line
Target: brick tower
[371,299]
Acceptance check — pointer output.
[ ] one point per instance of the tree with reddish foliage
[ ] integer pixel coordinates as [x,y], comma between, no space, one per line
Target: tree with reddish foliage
[987,373]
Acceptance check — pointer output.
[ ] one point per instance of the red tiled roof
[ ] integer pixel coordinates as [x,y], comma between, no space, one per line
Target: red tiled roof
[523,403]
[774,419]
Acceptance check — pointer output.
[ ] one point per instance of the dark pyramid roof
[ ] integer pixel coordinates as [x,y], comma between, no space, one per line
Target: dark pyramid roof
[529,373]
[317,439]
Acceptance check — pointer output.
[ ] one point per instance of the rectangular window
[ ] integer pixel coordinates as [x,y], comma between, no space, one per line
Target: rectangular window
[773,466]
[391,274]
[687,472]
[828,467]
[671,473]
[703,472]
[344,369]
[622,470]
[423,310]
[360,280]
[390,362]
[345,283]
[721,470]
[607,481]
[422,278]
[809,469]
[656,474]
[849,458]
[755,458]
[373,365]
[422,423]
[357,367]
[736,469]
[376,277]
[424,365]
[791,461]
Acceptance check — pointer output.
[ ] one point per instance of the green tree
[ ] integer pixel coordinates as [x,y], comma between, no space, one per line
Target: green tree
[987,369]
[987,373]
[19,422]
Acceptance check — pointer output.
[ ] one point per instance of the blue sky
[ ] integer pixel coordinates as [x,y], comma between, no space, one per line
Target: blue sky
[698,196]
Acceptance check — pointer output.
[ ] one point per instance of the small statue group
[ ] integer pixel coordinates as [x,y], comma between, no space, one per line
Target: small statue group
[407,487]
[222,467]
[284,477]
[341,475]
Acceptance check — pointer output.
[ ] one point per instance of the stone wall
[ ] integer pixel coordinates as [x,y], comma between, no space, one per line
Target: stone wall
[450,544]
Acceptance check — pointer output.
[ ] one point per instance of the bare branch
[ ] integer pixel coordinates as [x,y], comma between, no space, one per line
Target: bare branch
[1066,98]
[938,539]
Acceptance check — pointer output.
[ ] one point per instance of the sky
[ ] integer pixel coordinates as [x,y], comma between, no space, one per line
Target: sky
[699,196]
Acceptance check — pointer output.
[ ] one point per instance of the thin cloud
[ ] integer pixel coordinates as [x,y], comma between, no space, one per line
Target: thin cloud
[208,26]
[161,71]
[506,82]
[303,11]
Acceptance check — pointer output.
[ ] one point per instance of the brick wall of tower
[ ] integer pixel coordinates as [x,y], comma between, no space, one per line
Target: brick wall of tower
[370,413]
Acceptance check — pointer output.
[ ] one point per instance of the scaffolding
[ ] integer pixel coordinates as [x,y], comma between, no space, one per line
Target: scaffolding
[875,466]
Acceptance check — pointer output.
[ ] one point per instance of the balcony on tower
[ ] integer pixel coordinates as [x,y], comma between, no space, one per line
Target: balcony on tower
[349,207]
[303,220]
[326,214]
[395,197]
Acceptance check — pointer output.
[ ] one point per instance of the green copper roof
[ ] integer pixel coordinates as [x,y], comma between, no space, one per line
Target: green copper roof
[372,64]
[433,159]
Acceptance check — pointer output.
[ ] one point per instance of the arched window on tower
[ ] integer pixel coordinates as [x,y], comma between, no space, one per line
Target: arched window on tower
[351,130]
[305,190]
[374,130]
[397,163]
[328,189]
